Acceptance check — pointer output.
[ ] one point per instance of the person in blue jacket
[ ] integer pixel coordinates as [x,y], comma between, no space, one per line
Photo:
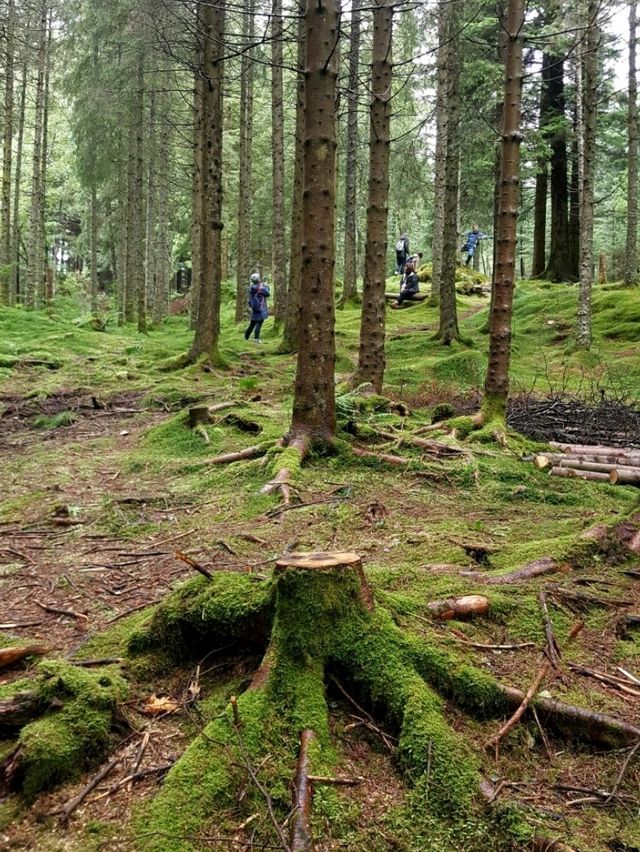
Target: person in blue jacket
[258,295]
[471,244]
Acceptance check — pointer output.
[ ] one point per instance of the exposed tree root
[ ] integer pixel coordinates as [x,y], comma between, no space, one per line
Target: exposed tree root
[241,455]
[537,568]
[386,458]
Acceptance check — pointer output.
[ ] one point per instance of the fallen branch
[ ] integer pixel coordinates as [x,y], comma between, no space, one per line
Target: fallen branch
[336,782]
[248,453]
[56,611]
[537,568]
[193,564]
[434,447]
[300,834]
[603,677]
[623,769]
[10,656]
[553,649]
[70,807]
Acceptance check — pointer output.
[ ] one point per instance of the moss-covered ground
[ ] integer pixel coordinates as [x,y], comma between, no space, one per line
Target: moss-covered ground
[98,495]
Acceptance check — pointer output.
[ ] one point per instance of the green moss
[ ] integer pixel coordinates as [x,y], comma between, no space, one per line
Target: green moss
[55,421]
[203,613]
[466,369]
[73,735]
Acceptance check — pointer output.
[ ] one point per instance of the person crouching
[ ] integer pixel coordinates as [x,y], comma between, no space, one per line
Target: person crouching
[409,284]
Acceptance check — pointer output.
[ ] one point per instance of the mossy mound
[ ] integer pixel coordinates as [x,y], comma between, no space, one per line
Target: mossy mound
[75,729]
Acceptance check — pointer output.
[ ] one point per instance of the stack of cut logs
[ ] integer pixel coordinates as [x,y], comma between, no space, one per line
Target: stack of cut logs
[616,465]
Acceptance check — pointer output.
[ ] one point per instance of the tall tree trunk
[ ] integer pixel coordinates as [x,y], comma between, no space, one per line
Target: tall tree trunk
[6,257]
[371,358]
[197,178]
[350,288]
[94,248]
[34,252]
[497,380]
[448,330]
[15,226]
[44,295]
[163,249]
[539,262]
[245,158]
[314,409]
[139,228]
[559,265]
[278,252]
[574,186]
[631,252]
[130,280]
[290,332]
[208,324]
[440,163]
[151,223]
[123,198]
[589,107]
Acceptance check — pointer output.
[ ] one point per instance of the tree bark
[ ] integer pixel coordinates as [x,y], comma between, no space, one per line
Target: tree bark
[196,188]
[559,265]
[278,250]
[45,295]
[371,359]
[538,263]
[440,163]
[34,253]
[163,247]
[589,106]
[94,247]
[350,288]
[631,253]
[150,260]
[243,246]
[15,226]
[138,199]
[497,380]
[448,330]
[290,332]
[208,324]
[314,397]
[6,257]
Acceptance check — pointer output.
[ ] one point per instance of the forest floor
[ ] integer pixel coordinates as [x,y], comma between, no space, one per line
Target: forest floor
[102,483]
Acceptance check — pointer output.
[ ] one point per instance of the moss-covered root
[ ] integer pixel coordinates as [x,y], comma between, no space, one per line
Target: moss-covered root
[208,779]
[73,733]
[204,614]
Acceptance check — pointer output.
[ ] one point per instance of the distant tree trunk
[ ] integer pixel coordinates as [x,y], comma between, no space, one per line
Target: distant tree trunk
[440,161]
[538,263]
[589,106]
[290,331]
[94,248]
[314,410]
[245,157]
[163,248]
[130,279]
[371,358]
[448,330]
[208,324]
[151,219]
[15,227]
[34,245]
[138,200]
[574,207]
[497,380]
[46,292]
[123,200]
[631,252]
[278,252]
[350,288]
[559,265]
[6,257]
[197,178]
[602,269]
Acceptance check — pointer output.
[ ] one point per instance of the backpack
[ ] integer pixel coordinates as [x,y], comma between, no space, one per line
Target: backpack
[465,247]
[400,245]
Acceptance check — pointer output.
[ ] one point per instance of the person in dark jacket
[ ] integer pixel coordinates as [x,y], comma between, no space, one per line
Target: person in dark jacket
[258,295]
[409,284]
[402,253]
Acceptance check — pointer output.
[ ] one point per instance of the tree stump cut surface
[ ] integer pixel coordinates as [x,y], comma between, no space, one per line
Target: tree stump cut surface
[329,562]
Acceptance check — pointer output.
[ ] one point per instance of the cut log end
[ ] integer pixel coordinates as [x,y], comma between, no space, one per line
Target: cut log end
[319,561]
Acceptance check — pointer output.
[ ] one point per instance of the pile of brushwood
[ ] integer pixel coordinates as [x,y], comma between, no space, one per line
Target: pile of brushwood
[560,417]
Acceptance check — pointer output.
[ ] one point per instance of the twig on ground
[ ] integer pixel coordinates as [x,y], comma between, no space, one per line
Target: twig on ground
[623,769]
[70,807]
[193,564]
[553,649]
[57,611]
